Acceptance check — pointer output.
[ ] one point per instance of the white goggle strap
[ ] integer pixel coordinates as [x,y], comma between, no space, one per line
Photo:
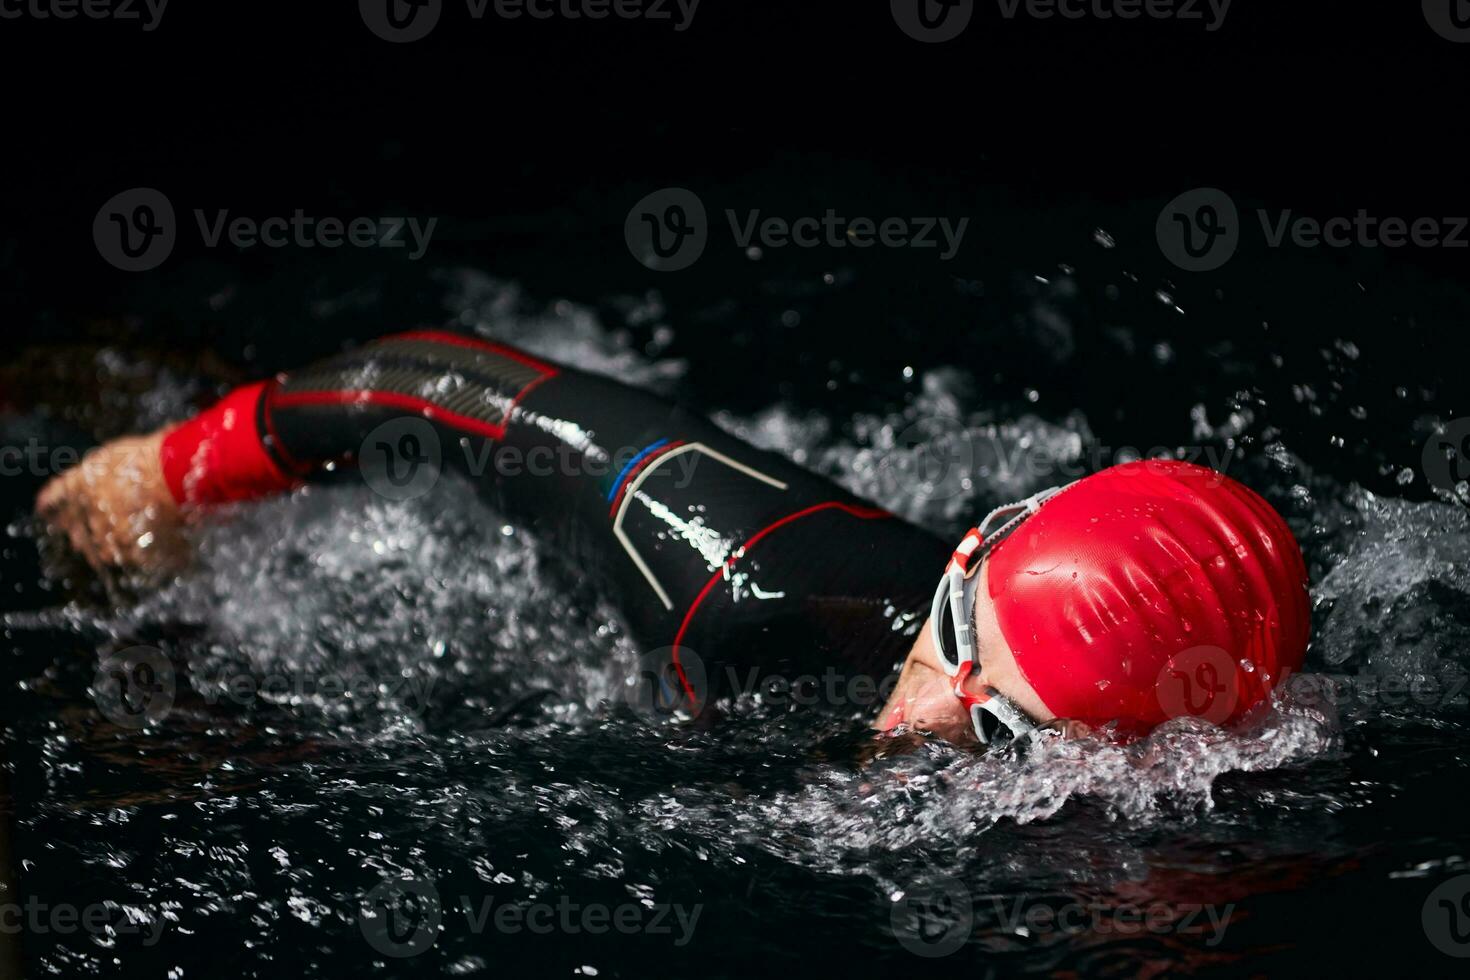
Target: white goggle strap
[1004,711]
[960,616]
[1026,507]
[954,587]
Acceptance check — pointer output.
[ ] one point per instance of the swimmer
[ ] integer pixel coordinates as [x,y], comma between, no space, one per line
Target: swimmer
[1064,611]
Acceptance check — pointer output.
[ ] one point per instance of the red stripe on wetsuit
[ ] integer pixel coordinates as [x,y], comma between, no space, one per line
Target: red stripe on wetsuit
[221,456]
[218,456]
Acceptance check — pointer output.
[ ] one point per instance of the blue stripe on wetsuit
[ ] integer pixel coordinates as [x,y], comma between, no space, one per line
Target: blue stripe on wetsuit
[613,490]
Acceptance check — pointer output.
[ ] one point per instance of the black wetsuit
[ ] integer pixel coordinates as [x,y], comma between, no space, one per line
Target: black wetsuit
[708,544]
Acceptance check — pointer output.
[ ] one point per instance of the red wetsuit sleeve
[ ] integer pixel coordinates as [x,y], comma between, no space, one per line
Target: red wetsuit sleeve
[218,456]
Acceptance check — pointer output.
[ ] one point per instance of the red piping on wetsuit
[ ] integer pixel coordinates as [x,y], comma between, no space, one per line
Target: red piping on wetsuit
[633,474]
[391,399]
[218,456]
[866,513]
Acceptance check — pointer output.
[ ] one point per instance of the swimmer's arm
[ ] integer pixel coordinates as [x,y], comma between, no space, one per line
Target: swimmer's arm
[115,508]
[126,504]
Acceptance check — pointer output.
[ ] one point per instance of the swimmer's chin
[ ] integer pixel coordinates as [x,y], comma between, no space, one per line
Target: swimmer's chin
[895,741]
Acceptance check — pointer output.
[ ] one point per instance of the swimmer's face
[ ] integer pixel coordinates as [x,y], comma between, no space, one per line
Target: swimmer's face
[924,697]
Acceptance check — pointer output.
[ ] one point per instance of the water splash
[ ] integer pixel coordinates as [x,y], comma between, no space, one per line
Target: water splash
[453,616]
[938,461]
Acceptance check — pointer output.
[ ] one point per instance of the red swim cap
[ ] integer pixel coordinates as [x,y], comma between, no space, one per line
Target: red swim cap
[1150,590]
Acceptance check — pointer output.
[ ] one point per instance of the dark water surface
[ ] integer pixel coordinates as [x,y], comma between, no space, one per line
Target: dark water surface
[239,834]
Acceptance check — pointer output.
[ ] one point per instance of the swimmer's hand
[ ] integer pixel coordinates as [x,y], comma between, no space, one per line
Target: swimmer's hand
[115,508]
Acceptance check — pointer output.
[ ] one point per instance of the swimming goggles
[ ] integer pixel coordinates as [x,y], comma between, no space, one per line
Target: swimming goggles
[952,627]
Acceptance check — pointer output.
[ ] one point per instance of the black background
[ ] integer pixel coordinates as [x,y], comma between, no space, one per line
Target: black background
[534,132]
[530,140]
